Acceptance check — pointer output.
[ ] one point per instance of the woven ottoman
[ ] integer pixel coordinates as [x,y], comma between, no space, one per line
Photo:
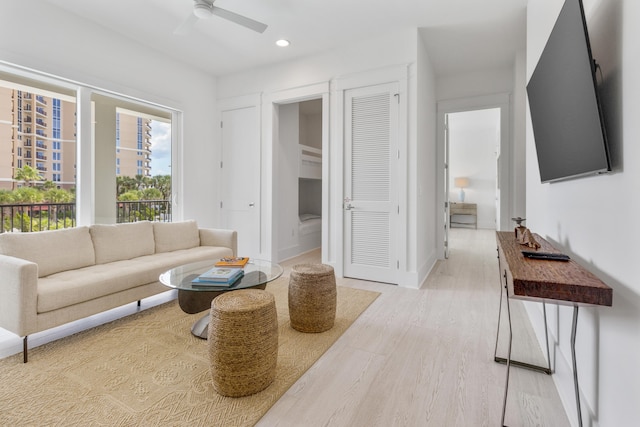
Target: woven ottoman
[312,297]
[243,342]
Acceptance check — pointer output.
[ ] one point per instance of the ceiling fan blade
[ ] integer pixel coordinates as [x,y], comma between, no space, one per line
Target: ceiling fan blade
[239,19]
[186,27]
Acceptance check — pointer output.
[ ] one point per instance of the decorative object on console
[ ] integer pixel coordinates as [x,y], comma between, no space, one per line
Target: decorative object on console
[527,239]
[461,183]
[524,235]
[519,230]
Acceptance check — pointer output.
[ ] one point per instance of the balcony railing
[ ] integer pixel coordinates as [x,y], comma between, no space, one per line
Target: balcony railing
[37,216]
[32,217]
[141,210]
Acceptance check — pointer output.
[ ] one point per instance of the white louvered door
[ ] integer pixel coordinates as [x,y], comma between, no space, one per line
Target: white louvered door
[371,190]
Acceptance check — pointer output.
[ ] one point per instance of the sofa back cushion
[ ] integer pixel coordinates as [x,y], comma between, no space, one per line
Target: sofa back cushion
[53,251]
[116,242]
[172,236]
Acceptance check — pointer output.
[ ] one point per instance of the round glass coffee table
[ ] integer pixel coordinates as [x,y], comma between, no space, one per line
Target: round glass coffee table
[194,299]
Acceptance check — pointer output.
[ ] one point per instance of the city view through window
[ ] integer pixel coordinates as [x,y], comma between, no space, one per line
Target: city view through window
[38,162]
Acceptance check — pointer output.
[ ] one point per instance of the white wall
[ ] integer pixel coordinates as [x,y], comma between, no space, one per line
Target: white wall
[67,46]
[592,220]
[423,189]
[389,49]
[475,83]
[474,140]
[369,58]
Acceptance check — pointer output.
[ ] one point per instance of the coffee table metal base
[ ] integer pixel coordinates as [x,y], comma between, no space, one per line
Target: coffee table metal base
[196,302]
[200,329]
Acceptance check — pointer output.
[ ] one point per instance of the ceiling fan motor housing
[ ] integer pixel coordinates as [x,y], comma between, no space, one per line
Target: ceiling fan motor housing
[203,9]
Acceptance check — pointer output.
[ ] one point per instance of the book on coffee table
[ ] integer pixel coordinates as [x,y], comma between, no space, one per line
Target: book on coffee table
[219,276]
[237,262]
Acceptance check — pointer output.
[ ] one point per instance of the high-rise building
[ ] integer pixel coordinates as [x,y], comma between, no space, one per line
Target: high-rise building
[40,131]
[133,145]
[36,131]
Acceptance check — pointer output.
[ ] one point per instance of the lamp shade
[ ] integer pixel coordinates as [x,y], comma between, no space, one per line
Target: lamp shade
[461,182]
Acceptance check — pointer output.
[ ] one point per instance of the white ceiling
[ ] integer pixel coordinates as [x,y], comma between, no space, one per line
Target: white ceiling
[460,35]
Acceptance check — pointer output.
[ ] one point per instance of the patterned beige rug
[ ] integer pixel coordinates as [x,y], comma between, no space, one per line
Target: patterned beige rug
[147,369]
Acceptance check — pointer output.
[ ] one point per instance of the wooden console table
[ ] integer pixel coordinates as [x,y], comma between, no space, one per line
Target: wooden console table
[557,282]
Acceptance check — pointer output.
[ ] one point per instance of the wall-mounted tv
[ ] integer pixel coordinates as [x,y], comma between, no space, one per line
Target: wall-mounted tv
[568,126]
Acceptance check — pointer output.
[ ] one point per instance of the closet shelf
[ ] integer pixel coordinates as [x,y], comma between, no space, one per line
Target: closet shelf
[309,162]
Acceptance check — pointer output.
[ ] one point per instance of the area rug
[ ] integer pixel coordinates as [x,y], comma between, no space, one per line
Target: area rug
[147,369]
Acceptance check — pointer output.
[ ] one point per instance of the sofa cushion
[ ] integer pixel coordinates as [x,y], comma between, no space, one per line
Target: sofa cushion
[77,286]
[173,236]
[53,251]
[122,241]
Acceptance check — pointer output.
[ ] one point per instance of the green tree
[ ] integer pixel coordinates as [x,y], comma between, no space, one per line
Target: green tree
[6,197]
[48,185]
[56,195]
[130,196]
[163,183]
[28,174]
[152,194]
[124,184]
[27,195]
[142,181]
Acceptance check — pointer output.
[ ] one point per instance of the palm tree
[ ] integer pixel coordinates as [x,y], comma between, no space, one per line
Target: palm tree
[125,184]
[142,182]
[28,175]
[163,183]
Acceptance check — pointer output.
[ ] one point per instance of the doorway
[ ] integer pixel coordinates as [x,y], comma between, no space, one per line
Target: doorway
[474,168]
[474,149]
[298,138]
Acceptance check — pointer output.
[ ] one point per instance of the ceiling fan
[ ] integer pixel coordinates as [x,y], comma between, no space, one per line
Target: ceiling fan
[204,9]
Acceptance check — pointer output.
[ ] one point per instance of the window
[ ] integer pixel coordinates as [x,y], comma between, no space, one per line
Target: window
[44,110]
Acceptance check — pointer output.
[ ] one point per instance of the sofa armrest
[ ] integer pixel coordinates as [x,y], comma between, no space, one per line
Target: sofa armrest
[18,295]
[219,237]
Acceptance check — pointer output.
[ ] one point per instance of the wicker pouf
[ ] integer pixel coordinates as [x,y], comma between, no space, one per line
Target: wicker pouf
[312,297]
[243,342]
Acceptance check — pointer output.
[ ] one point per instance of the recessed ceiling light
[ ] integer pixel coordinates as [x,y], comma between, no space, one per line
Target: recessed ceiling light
[283,43]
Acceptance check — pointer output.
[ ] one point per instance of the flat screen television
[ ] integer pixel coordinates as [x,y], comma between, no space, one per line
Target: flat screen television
[566,115]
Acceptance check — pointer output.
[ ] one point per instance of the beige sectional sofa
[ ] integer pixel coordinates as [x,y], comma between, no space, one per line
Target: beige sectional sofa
[54,277]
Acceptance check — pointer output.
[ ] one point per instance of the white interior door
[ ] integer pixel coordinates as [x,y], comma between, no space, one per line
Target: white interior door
[371,184]
[240,177]
[447,202]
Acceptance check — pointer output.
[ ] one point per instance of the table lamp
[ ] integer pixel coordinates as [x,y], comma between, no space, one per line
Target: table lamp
[461,183]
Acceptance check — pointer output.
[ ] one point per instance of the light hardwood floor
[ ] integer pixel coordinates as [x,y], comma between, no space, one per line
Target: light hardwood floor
[425,357]
[413,358]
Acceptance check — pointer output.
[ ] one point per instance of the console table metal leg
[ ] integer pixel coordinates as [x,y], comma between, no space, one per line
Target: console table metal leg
[508,361]
[547,370]
[546,337]
[574,326]
[495,351]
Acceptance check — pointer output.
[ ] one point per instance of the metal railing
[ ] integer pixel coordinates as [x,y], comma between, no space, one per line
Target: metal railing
[37,216]
[144,210]
[33,217]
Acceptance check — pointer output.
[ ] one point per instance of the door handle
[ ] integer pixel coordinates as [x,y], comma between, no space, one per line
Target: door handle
[348,207]
[251,204]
